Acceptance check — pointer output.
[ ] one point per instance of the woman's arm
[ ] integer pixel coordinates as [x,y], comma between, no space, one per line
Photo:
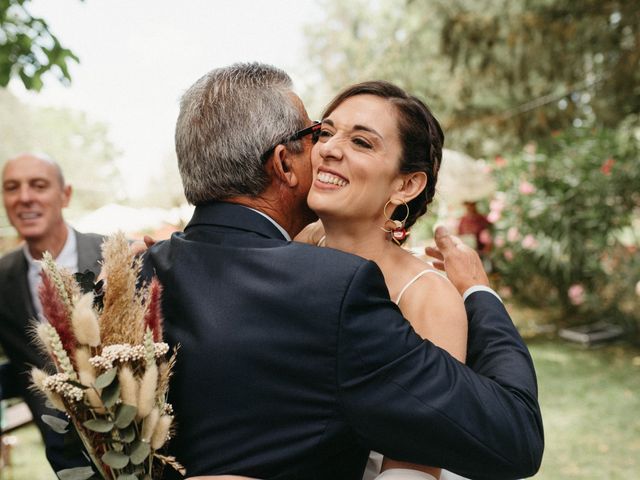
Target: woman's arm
[436,311]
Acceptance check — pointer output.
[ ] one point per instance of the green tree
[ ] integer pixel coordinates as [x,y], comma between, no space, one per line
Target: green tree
[497,72]
[563,222]
[28,48]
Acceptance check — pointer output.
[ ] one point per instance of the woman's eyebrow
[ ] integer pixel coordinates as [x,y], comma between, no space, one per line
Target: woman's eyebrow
[329,122]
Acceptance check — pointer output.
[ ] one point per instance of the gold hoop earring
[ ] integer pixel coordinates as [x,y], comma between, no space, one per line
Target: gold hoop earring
[396,227]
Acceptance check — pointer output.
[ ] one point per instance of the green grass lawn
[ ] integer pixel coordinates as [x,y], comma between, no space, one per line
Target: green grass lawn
[28,461]
[590,403]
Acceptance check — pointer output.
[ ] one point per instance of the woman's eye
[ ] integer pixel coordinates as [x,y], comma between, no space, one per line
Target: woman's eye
[361,142]
[324,134]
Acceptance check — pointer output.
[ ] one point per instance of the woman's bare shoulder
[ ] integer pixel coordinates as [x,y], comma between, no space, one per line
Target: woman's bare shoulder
[427,286]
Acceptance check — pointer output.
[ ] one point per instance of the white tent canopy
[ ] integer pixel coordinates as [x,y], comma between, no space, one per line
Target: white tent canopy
[113,217]
[463,179]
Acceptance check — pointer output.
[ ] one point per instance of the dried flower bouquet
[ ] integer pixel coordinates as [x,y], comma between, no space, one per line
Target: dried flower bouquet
[112,368]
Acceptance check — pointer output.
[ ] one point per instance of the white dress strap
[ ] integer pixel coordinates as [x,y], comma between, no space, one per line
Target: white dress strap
[413,280]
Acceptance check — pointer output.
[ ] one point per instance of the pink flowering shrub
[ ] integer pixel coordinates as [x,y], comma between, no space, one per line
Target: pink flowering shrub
[563,223]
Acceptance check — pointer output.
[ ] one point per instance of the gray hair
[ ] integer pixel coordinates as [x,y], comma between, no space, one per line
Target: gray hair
[228,119]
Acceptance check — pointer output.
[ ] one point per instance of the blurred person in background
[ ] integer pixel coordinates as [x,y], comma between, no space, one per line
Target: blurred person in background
[34,194]
[475,226]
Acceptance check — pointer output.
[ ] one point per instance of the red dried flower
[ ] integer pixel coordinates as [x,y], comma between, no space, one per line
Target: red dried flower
[56,313]
[153,315]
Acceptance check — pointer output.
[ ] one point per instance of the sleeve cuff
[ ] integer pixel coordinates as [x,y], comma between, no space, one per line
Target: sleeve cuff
[479,288]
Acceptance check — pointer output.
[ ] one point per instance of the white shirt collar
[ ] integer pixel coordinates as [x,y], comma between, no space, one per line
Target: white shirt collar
[67,258]
[285,234]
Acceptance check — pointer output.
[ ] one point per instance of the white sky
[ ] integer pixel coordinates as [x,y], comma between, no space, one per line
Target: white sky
[138,56]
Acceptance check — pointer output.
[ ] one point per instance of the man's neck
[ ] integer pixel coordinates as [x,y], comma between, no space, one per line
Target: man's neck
[52,243]
[289,220]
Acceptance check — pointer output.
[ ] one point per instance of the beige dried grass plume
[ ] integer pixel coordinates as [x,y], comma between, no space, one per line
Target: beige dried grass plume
[123,310]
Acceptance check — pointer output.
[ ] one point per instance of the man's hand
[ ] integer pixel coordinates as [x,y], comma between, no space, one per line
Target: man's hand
[139,247]
[461,262]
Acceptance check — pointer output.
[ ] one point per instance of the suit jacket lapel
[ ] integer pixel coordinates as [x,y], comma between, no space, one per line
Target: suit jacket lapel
[22,304]
[89,253]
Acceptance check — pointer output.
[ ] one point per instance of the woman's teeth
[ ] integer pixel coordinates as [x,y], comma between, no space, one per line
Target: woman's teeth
[325,177]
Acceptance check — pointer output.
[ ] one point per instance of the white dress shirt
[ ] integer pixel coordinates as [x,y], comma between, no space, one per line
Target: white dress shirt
[68,258]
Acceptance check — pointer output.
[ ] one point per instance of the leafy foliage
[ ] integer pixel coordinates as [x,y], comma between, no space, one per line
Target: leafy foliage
[81,146]
[564,221]
[28,48]
[498,73]
[561,78]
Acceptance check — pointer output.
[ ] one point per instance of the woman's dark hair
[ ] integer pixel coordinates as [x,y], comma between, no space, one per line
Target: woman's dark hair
[421,138]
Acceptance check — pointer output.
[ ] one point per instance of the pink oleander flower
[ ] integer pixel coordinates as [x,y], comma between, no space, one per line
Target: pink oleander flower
[485,237]
[500,161]
[526,188]
[499,241]
[513,234]
[607,166]
[505,292]
[529,242]
[494,216]
[496,204]
[508,255]
[576,294]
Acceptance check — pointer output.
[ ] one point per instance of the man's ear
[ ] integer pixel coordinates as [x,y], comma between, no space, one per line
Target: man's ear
[283,166]
[66,195]
[409,186]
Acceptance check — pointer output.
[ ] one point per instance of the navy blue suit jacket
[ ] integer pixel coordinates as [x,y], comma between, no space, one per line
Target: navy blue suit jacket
[16,338]
[294,364]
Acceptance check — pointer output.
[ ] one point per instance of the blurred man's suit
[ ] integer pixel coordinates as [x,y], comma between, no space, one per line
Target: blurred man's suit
[16,314]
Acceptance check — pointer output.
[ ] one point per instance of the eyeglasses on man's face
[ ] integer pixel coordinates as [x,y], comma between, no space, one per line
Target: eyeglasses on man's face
[313,130]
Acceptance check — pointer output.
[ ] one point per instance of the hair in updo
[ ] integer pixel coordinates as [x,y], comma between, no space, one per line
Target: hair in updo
[421,138]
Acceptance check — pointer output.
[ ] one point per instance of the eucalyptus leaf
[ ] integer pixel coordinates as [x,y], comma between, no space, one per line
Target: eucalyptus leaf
[110,394]
[128,434]
[115,459]
[78,473]
[106,378]
[139,452]
[58,425]
[126,414]
[98,425]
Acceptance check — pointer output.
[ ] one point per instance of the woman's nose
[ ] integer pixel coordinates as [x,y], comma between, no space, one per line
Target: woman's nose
[331,148]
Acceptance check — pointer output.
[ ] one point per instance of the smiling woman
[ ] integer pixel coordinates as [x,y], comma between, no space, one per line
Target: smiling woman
[375,168]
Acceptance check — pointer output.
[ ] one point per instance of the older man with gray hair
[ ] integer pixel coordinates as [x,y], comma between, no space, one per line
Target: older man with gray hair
[34,194]
[294,362]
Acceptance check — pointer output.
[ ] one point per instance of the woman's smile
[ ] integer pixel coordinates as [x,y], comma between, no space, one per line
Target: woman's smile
[329,179]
